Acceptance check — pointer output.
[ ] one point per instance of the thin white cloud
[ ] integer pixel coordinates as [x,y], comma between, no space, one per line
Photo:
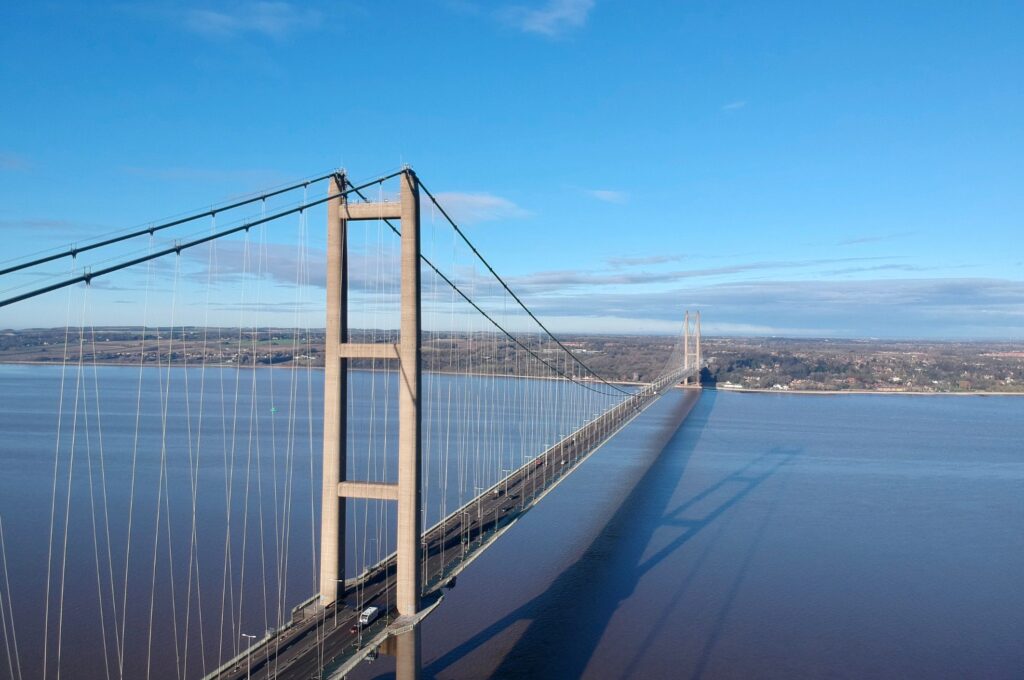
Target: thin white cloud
[479,207]
[726,328]
[640,261]
[279,262]
[233,260]
[552,19]
[275,20]
[566,280]
[860,240]
[608,195]
[891,308]
[734,106]
[896,268]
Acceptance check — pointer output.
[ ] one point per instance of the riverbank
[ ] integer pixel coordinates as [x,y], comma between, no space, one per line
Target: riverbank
[319,368]
[625,383]
[758,390]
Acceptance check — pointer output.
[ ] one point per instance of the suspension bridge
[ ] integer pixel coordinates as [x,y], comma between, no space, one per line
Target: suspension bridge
[210,520]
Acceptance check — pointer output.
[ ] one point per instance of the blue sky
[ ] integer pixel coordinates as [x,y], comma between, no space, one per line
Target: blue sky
[794,168]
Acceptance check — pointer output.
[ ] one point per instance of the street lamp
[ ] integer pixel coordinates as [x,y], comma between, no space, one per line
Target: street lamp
[477,490]
[341,590]
[248,655]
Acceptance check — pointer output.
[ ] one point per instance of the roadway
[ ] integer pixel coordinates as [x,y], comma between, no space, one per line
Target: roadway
[324,637]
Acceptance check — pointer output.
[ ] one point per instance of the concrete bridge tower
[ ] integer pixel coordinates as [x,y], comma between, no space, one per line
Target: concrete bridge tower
[336,488]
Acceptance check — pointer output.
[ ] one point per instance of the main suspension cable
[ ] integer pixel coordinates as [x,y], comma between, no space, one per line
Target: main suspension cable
[178,247]
[477,307]
[74,251]
[512,293]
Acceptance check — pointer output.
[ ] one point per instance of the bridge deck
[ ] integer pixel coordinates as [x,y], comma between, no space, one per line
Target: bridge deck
[324,642]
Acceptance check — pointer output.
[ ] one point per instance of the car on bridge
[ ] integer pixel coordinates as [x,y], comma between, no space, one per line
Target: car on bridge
[368,616]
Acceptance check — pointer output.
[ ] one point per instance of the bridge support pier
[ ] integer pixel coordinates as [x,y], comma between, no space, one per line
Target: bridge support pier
[408,654]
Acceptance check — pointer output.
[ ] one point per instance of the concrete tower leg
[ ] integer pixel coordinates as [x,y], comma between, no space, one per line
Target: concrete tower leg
[408,661]
[686,345]
[409,416]
[332,517]
[697,356]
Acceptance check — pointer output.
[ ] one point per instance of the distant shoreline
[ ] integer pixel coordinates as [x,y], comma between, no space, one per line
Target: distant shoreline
[285,366]
[828,393]
[751,390]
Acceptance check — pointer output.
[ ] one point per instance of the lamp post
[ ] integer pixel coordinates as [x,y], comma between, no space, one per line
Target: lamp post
[248,655]
[337,602]
[476,491]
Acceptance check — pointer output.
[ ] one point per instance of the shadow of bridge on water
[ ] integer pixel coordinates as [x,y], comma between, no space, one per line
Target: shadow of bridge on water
[568,620]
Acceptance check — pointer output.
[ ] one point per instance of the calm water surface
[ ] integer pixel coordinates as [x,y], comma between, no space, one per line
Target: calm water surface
[772,536]
[241,446]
